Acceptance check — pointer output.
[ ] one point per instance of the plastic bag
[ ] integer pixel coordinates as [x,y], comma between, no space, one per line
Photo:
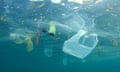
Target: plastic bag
[81,44]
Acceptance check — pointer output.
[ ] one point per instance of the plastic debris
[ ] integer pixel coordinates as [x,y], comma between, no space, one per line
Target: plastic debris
[115,43]
[39,6]
[52,29]
[16,38]
[20,42]
[37,34]
[37,38]
[29,43]
[48,52]
[13,36]
[76,1]
[56,1]
[81,44]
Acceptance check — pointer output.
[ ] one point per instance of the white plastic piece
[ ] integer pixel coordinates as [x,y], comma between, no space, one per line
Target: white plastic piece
[56,1]
[76,1]
[13,35]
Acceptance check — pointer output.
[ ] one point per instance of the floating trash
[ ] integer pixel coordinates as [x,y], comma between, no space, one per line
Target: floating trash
[81,44]
[48,52]
[56,1]
[29,43]
[52,28]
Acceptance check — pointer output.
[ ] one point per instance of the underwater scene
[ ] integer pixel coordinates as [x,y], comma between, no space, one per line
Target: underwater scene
[59,35]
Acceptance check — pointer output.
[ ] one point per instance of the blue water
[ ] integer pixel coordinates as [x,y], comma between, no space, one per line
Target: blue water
[16,60]
[22,16]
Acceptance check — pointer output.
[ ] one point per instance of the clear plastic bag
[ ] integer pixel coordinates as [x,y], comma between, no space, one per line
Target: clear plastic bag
[81,44]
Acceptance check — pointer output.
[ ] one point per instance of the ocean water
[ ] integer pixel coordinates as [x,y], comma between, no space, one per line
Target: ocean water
[33,34]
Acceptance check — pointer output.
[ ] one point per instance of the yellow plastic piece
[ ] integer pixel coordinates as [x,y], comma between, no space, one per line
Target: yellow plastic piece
[52,28]
[29,43]
[20,42]
[115,43]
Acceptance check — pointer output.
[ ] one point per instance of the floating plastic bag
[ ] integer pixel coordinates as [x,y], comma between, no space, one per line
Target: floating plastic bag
[81,44]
